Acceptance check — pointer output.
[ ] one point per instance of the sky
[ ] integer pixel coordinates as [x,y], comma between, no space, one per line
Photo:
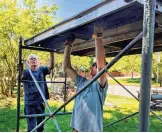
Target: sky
[68,8]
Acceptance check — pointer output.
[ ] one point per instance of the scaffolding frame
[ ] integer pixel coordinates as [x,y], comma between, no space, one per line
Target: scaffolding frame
[20,60]
[128,116]
[147,50]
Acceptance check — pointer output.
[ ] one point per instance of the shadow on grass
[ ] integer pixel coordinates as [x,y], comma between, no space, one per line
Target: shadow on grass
[8,121]
[130,124]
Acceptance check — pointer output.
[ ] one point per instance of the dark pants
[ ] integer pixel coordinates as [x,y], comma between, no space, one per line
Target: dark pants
[33,122]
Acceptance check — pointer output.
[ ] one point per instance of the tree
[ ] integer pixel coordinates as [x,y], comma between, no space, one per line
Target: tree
[81,63]
[131,63]
[156,63]
[19,20]
[118,66]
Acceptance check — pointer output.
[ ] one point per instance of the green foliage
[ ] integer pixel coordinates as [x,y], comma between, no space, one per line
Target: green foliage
[157,65]
[19,20]
[131,63]
[134,80]
[117,67]
[81,63]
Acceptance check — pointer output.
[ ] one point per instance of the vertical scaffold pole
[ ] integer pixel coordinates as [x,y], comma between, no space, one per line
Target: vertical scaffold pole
[65,91]
[19,84]
[147,50]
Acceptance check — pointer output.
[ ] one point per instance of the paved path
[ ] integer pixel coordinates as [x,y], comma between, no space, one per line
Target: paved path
[118,90]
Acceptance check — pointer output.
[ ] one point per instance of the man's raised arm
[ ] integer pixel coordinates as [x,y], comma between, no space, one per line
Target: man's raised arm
[67,62]
[100,53]
[52,62]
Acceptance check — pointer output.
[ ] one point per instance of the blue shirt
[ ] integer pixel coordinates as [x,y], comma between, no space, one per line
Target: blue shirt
[32,95]
[87,113]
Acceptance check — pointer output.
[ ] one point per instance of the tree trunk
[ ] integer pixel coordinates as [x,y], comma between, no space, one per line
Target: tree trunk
[7,85]
[160,83]
[132,75]
[11,86]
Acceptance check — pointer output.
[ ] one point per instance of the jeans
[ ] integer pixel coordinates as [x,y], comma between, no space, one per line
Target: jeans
[33,122]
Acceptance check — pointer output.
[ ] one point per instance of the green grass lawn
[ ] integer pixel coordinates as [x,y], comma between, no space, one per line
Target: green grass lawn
[115,108]
[132,81]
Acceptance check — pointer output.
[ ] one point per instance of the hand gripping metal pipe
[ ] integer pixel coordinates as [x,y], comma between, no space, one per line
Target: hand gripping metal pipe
[40,91]
[121,54]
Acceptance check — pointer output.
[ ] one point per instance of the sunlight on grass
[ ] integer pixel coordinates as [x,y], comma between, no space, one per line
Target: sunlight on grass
[115,108]
[58,104]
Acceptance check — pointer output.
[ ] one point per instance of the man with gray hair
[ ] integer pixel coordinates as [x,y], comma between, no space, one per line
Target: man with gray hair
[33,101]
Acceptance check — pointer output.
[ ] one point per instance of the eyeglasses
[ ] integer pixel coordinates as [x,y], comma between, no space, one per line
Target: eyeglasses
[33,59]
